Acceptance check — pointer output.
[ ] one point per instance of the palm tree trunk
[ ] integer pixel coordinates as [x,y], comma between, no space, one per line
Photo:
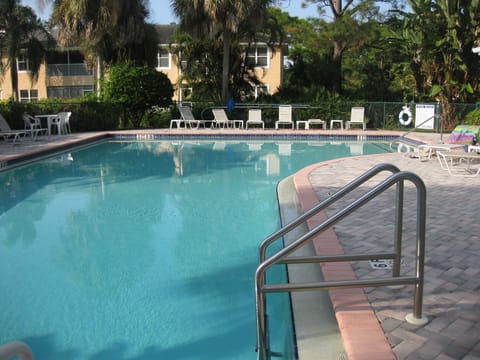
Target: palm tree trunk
[14,76]
[227,38]
[100,68]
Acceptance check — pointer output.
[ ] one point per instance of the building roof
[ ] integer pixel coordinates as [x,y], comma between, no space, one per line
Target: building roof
[166,32]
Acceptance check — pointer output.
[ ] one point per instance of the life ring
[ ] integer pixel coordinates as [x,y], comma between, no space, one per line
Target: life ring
[405,112]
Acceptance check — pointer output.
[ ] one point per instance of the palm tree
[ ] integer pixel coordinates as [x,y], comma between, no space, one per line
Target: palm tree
[104,29]
[21,34]
[220,18]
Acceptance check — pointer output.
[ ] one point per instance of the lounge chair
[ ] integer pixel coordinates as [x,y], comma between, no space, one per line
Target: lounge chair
[284,116]
[187,119]
[255,118]
[464,134]
[453,162]
[425,151]
[33,125]
[461,137]
[221,120]
[7,133]
[357,117]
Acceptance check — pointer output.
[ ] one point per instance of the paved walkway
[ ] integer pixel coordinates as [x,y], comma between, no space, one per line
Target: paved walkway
[452,278]
[452,267]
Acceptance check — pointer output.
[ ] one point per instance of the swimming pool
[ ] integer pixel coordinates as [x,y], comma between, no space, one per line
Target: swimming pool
[145,250]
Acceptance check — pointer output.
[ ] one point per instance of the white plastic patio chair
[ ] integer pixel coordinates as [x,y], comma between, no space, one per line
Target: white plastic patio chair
[65,122]
[33,125]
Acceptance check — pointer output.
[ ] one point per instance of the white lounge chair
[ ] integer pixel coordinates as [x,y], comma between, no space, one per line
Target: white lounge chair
[187,119]
[357,117]
[426,151]
[255,118]
[221,120]
[453,162]
[7,133]
[284,116]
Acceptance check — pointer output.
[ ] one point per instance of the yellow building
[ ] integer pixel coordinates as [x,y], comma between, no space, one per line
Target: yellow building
[65,75]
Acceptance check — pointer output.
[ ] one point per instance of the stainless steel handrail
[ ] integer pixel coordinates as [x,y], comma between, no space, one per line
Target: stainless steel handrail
[16,348]
[398,179]
[399,139]
[324,204]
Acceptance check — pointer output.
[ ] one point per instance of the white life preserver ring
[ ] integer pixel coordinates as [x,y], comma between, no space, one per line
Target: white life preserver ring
[405,113]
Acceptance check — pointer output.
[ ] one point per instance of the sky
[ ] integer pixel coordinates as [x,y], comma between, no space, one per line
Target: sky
[160,12]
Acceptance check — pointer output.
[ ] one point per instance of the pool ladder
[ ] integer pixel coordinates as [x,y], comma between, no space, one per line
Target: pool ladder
[281,257]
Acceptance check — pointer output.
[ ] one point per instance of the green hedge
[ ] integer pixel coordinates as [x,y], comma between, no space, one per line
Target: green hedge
[87,114]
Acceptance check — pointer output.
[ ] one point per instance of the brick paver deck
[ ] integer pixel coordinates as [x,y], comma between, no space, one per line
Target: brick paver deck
[452,266]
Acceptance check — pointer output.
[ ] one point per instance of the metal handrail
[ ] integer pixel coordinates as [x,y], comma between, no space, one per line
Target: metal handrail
[16,348]
[398,179]
[411,130]
[324,204]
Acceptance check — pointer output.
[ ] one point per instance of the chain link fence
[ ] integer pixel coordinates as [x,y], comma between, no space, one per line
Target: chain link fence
[96,116]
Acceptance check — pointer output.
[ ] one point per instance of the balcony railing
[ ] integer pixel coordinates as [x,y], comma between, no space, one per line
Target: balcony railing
[68,70]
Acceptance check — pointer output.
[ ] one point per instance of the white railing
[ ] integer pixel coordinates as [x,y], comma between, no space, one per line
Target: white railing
[68,70]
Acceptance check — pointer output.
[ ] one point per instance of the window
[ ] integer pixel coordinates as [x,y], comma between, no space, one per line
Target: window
[261,90]
[30,95]
[258,57]
[164,58]
[58,92]
[23,63]
[185,93]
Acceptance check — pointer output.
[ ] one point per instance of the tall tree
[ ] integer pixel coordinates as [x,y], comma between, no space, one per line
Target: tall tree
[438,36]
[346,16]
[220,19]
[21,34]
[104,29]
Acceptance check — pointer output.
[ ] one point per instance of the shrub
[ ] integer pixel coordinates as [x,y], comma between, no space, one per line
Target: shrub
[473,117]
[137,90]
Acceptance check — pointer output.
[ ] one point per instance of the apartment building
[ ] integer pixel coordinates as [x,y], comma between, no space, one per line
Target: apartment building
[65,74]
[267,64]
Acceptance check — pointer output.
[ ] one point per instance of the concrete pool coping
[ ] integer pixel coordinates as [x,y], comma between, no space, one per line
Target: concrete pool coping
[452,302]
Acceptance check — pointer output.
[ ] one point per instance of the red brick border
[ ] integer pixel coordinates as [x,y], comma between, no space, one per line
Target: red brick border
[363,337]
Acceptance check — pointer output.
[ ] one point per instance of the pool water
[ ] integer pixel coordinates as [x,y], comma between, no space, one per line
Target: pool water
[145,250]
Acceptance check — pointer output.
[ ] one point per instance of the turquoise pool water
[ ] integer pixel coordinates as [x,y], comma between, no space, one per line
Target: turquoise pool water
[145,250]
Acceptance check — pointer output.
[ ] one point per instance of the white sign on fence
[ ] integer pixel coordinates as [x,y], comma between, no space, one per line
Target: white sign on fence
[425,116]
